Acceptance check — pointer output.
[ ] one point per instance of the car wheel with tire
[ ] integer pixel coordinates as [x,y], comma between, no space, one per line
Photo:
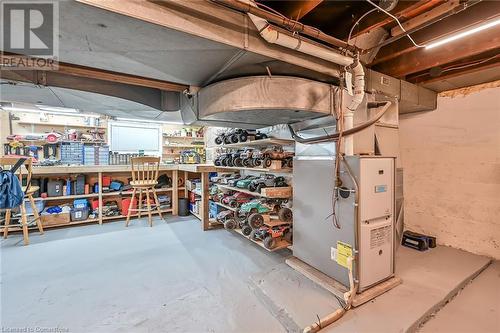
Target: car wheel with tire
[257,162]
[269,242]
[233,138]
[218,140]
[242,137]
[233,203]
[251,187]
[246,230]
[230,224]
[252,235]
[259,187]
[255,221]
[288,236]
[280,183]
[267,162]
[285,214]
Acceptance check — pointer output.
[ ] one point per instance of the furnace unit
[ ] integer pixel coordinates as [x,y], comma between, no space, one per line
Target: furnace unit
[358,220]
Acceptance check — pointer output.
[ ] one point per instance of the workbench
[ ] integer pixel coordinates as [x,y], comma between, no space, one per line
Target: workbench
[96,172]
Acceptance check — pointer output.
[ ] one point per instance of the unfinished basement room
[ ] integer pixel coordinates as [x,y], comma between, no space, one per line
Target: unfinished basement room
[257,166]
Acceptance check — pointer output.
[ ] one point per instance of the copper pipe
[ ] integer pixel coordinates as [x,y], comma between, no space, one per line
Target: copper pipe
[284,22]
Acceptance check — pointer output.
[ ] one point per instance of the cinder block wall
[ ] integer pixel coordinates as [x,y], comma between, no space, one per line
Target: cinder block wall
[451,161]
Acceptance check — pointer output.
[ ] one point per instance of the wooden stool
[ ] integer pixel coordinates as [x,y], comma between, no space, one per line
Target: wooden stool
[22,173]
[144,179]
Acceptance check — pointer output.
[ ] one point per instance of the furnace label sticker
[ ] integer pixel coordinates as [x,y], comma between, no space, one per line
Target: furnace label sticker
[380,236]
[344,251]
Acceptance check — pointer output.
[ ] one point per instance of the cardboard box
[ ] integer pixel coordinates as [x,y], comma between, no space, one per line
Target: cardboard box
[277,192]
[55,219]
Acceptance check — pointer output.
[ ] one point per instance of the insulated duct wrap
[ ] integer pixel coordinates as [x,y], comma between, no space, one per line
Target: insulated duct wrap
[261,101]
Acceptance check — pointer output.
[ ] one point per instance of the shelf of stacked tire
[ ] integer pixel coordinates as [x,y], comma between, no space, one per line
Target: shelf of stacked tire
[237,135]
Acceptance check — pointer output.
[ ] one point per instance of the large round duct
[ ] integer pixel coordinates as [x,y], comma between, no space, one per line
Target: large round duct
[263,101]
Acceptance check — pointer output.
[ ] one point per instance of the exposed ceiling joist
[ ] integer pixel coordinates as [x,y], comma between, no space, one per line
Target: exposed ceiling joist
[469,17]
[425,17]
[472,65]
[421,59]
[404,14]
[301,8]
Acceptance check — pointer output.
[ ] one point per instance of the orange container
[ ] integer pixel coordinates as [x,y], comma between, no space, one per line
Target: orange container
[126,204]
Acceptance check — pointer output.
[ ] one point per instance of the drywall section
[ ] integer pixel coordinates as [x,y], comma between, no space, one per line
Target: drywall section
[451,161]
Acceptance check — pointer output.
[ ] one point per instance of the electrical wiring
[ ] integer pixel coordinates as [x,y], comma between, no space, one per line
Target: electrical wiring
[338,145]
[356,23]
[399,23]
[452,68]
[466,65]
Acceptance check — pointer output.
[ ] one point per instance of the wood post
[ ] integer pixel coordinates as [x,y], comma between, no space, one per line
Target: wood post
[204,201]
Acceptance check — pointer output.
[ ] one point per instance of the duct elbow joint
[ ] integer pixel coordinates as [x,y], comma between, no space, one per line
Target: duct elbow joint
[358,74]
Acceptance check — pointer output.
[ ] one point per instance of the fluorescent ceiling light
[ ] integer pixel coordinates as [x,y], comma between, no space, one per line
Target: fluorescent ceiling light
[56,109]
[50,110]
[465,33]
[150,121]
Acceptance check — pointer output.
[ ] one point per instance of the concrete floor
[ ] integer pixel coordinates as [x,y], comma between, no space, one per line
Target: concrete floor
[475,309]
[174,277]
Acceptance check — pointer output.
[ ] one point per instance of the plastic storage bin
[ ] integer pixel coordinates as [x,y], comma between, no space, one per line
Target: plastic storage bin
[71,152]
[214,209]
[79,214]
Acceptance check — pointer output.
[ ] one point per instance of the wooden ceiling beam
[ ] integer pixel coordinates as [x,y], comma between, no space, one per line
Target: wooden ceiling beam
[477,63]
[404,14]
[104,75]
[471,16]
[422,59]
[425,17]
[300,8]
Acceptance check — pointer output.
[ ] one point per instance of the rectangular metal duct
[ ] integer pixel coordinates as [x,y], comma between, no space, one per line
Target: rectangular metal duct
[412,98]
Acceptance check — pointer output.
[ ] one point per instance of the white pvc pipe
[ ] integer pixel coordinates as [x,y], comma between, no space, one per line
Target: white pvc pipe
[273,36]
[348,139]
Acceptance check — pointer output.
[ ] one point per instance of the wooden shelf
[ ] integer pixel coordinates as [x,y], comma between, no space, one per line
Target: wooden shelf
[59,125]
[183,137]
[183,146]
[95,195]
[260,143]
[143,214]
[104,218]
[225,206]
[196,191]
[281,244]
[110,194]
[198,216]
[255,194]
[266,170]
[68,197]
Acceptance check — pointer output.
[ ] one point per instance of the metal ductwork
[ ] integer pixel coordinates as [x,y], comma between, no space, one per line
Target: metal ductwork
[258,101]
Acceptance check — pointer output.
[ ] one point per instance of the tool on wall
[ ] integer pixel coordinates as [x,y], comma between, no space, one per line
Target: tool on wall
[50,150]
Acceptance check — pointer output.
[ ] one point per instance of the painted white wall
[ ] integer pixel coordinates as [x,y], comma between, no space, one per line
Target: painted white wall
[451,161]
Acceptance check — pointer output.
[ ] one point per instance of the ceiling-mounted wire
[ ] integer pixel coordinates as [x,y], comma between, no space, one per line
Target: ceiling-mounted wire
[357,22]
[479,62]
[399,23]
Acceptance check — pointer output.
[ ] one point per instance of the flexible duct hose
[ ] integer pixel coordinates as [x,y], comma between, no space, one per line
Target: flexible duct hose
[335,136]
